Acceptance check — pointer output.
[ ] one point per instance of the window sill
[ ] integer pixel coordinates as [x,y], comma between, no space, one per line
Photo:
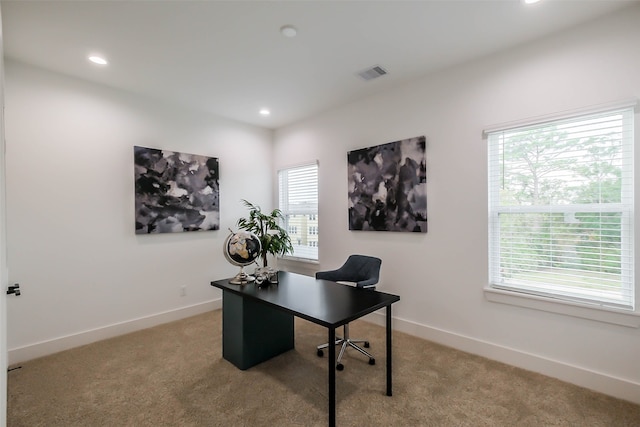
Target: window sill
[295,259]
[629,319]
[299,265]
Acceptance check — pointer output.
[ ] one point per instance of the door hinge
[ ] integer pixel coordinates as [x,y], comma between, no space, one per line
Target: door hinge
[14,289]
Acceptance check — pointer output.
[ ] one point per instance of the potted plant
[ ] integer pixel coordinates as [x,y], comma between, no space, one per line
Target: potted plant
[273,238]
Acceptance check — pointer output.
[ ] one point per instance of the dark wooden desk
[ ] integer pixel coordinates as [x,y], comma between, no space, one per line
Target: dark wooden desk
[257,323]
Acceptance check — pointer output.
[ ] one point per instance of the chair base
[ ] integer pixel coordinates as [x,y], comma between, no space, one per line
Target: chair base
[344,343]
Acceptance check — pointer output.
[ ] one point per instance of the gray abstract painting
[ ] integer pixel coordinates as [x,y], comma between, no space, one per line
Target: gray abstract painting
[175,192]
[388,187]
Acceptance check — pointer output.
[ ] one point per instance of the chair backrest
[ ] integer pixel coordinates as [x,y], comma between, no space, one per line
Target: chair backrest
[363,270]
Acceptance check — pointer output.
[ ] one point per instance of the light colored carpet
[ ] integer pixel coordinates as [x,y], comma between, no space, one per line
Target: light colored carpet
[174,375]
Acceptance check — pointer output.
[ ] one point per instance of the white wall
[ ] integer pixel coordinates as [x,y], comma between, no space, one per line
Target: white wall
[83,271]
[440,275]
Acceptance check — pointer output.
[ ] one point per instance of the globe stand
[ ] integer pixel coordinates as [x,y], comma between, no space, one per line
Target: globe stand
[242,278]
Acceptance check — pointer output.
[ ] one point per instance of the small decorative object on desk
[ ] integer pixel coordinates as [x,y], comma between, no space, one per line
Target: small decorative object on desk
[273,277]
[266,276]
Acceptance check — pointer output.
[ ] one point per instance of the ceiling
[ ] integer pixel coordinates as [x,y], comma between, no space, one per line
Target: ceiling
[230,59]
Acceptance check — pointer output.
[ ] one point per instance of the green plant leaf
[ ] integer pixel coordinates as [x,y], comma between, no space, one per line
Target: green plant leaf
[274,239]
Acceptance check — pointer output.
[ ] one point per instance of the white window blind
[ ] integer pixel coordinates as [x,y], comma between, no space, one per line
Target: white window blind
[298,202]
[561,209]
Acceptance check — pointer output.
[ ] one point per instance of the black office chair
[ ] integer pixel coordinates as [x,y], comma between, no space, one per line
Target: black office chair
[364,271]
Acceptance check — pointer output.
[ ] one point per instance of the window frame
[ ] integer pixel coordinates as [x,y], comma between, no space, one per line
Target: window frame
[308,253]
[496,292]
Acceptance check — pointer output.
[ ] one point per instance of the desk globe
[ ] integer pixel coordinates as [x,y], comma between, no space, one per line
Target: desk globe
[242,248]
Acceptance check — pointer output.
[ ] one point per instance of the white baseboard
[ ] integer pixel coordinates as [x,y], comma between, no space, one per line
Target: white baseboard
[597,381]
[43,348]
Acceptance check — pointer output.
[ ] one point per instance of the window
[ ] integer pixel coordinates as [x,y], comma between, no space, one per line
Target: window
[561,209]
[298,202]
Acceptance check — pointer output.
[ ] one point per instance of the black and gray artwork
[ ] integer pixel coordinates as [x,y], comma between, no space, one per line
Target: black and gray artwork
[175,192]
[388,187]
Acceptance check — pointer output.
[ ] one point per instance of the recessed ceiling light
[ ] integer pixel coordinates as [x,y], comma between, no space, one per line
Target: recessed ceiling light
[265,112]
[531,1]
[288,31]
[98,60]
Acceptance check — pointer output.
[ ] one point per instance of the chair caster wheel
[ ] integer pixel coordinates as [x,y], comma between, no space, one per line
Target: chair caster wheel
[320,353]
[340,367]
[372,361]
[366,344]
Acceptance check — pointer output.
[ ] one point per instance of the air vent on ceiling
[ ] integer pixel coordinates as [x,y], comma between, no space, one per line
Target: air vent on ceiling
[372,73]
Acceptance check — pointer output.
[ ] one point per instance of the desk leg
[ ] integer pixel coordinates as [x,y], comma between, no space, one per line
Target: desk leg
[388,350]
[332,377]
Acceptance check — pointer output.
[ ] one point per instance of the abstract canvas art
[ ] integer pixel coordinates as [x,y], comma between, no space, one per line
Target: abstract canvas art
[175,192]
[388,187]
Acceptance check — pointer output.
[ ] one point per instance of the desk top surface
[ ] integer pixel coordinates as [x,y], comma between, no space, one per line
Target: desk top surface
[323,302]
